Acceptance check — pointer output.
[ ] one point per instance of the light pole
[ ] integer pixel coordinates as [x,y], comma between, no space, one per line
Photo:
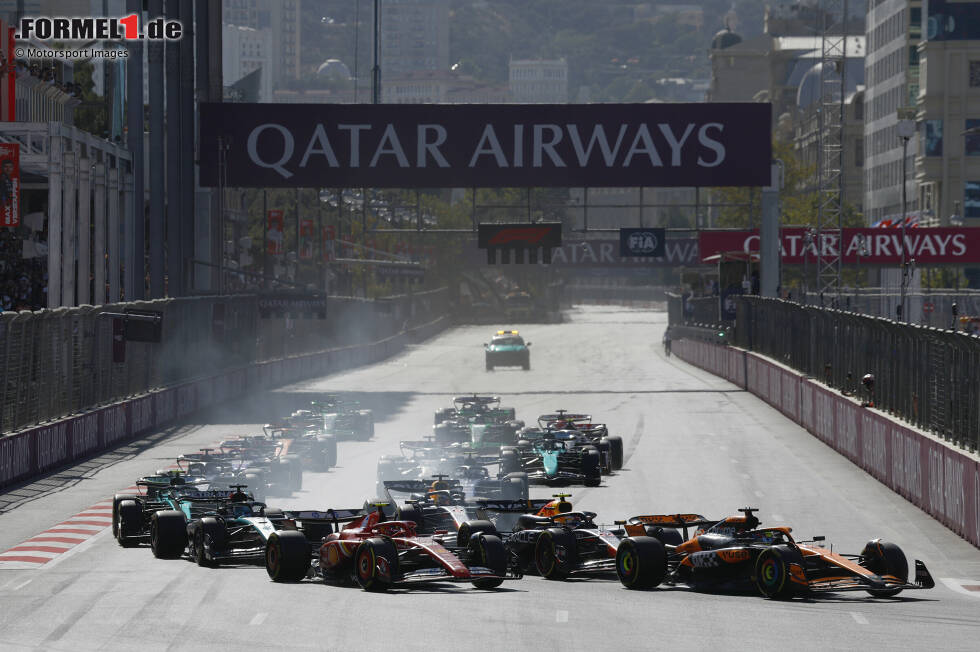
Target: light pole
[808,239]
[906,129]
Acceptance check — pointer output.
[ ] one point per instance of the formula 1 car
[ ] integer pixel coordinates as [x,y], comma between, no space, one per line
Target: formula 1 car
[380,554]
[553,461]
[735,553]
[343,418]
[131,512]
[507,349]
[259,467]
[581,429]
[294,436]
[478,420]
[443,506]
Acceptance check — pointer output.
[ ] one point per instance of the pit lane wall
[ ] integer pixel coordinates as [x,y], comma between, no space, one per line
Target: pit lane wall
[939,479]
[31,452]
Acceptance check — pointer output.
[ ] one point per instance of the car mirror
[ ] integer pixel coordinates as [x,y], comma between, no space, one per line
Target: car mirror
[528,344]
[484,344]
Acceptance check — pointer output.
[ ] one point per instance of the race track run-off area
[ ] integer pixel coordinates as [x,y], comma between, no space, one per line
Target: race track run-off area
[693,443]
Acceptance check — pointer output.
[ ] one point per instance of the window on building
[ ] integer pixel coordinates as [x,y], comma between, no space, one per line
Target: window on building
[933,137]
[971,199]
[972,140]
[975,74]
[915,23]
[858,152]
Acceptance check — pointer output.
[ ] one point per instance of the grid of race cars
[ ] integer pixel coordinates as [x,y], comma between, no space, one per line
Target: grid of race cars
[455,506]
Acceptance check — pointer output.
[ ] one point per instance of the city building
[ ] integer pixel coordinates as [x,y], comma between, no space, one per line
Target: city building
[414,37]
[245,50]
[282,19]
[892,82]
[539,81]
[947,165]
[441,87]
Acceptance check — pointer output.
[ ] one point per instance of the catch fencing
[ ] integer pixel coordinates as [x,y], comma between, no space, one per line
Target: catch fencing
[56,363]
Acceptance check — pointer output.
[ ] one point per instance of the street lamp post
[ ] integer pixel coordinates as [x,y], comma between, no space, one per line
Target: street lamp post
[906,129]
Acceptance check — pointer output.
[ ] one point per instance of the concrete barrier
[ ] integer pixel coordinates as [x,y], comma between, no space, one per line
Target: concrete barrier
[31,452]
[938,478]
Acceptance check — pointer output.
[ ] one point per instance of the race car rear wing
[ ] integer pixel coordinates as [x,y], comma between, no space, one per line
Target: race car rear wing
[517,506]
[684,521]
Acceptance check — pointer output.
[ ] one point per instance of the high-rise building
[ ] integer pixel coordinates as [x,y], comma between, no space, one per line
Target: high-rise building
[947,168]
[539,81]
[282,19]
[891,76]
[414,37]
[245,50]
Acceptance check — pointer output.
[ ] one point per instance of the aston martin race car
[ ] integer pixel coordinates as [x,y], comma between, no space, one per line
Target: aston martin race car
[507,349]
[552,461]
[735,553]
[380,554]
[580,429]
[477,420]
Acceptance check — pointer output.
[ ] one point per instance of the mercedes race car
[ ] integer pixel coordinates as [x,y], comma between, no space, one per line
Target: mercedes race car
[477,420]
[507,349]
[735,553]
[380,554]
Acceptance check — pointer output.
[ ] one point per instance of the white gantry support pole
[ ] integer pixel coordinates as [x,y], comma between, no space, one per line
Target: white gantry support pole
[99,252]
[84,231]
[112,199]
[69,241]
[54,221]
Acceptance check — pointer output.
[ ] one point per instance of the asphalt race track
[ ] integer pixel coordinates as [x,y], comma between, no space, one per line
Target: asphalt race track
[694,443]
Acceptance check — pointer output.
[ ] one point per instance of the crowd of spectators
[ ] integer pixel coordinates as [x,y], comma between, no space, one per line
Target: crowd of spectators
[23,281]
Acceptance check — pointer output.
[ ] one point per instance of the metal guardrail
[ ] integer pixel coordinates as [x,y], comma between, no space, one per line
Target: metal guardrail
[54,363]
[926,376]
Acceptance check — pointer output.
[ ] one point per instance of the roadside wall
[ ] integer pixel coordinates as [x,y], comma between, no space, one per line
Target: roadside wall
[35,451]
[936,477]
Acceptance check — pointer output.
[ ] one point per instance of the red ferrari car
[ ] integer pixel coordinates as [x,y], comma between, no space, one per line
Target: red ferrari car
[379,554]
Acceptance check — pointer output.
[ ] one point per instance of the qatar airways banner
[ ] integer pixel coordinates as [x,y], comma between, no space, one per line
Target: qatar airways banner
[485,145]
[928,246]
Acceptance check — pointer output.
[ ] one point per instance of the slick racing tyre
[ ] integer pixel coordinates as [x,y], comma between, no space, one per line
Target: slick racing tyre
[488,551]
[884,558]
[666,535]
[376,564]
[590,468]
[555,554]
[209,539]
[641,562]
[772,572]
[287,556]
[326,453]
[294,473]
[510,462]
[616,451]
[515,486]
[411,514]
[467,530]
[168,534]
[129,516]
[118,498]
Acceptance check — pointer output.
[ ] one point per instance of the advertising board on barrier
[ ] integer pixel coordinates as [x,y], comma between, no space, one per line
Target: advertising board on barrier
[114,424]
[52,445]
[867,246]
[84,434]
[485,145]
[15,456]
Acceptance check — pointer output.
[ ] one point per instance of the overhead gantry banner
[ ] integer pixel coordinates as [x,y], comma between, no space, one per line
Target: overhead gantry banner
[484,145]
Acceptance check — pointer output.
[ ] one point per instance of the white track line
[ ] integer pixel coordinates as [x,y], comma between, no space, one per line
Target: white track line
[957,585]
[561,616]
[859,618]
[258,618]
